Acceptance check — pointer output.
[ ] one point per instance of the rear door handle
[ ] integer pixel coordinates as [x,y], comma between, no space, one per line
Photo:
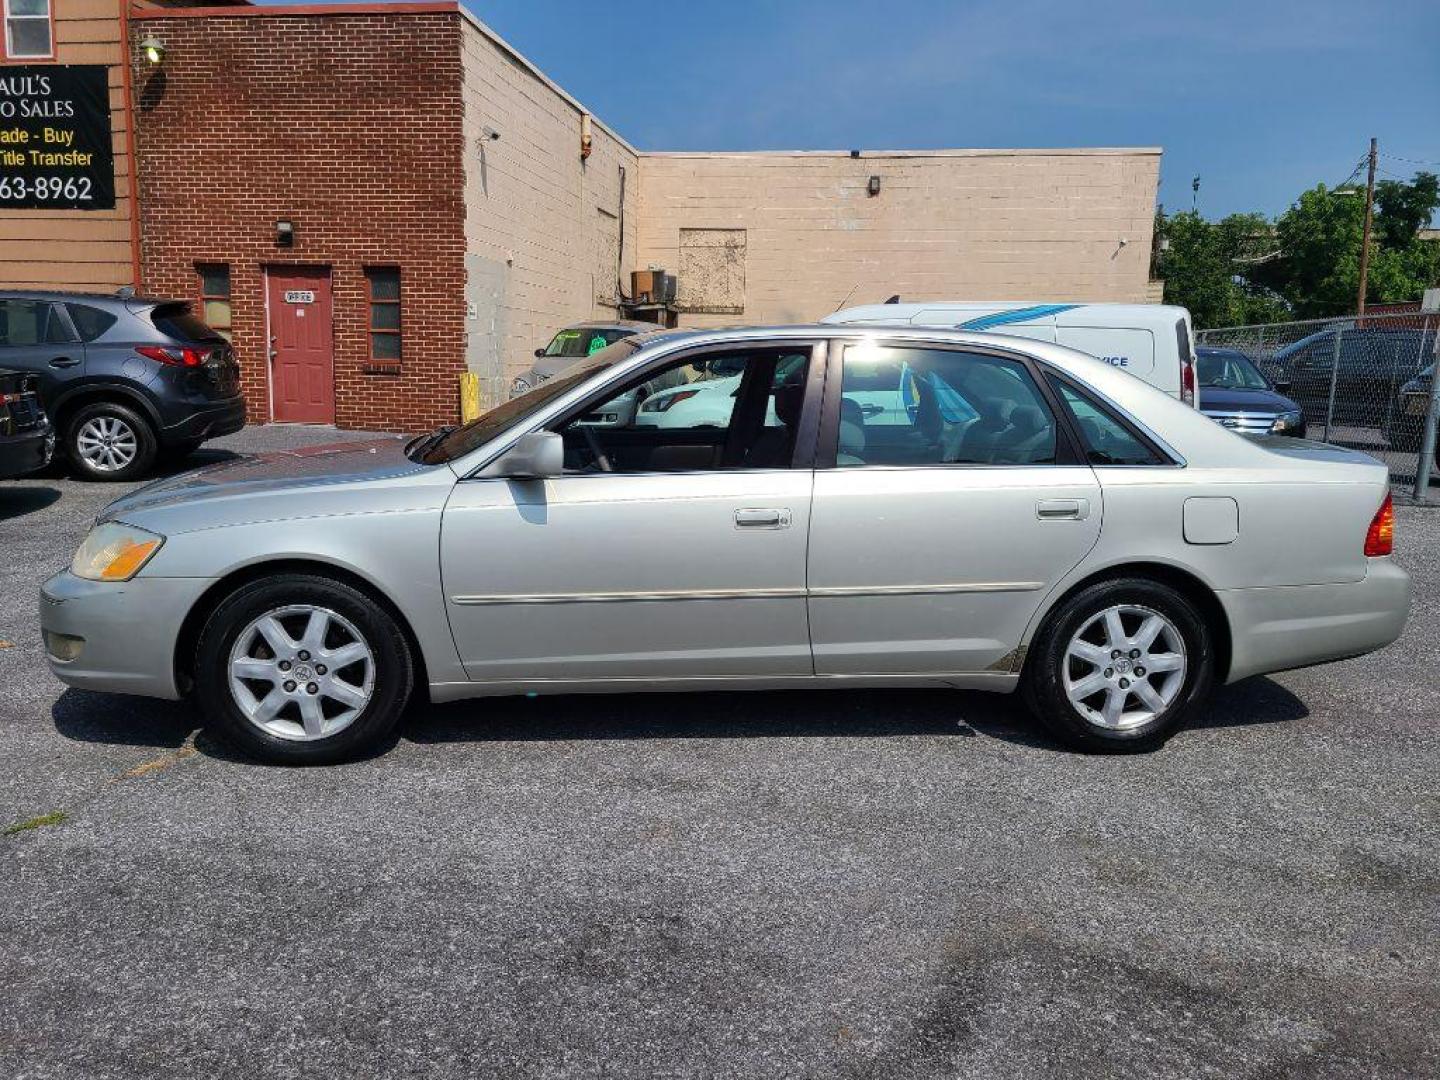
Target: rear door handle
[63,362]
[1062,509]
[762,518]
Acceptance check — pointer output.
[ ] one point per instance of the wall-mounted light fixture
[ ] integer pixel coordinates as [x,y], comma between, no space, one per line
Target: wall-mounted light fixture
[487,132]
[586,145]
[874,186]
[284,233]
[153,49]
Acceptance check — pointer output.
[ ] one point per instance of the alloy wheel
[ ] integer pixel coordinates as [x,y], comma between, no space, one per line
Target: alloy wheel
[301,672]
[107,443]
[1124,667]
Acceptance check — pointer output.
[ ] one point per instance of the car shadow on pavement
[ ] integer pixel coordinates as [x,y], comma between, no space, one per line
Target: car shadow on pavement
[18,500]
[118,719]
[710,715]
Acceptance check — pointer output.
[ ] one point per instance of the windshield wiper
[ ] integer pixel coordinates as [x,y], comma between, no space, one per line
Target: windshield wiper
[420,444]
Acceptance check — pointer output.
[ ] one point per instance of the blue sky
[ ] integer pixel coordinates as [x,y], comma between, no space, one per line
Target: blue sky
[1261,98]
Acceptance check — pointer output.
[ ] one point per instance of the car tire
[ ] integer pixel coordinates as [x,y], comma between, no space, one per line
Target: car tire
[1080,649]
[110,442]
[252,699]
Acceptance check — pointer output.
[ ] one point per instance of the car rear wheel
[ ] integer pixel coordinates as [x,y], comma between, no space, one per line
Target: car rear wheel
[1119,666]
[110,441]
[300,669]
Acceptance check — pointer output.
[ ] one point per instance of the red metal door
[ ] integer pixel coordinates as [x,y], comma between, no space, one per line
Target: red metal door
[302,361]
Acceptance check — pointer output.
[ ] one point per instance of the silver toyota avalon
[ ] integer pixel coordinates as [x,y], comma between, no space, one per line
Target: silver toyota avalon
[882,507]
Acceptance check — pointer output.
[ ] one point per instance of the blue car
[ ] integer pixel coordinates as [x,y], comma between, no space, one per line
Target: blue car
[1235,395]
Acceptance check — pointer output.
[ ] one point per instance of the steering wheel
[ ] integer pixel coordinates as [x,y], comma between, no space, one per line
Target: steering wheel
[594,444]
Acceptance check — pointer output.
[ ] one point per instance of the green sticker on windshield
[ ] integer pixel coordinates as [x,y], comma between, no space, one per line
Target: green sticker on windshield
[596,344]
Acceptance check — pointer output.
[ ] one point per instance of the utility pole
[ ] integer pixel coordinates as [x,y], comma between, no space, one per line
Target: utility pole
[1365,243]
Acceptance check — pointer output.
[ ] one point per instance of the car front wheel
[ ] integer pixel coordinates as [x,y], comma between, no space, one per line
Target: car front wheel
[302,670]
[1119,666]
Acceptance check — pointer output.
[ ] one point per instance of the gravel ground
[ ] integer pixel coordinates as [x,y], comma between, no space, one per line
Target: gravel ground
[887,885]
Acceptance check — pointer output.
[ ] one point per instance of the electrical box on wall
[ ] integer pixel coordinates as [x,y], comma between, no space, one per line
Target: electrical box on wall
[652,286]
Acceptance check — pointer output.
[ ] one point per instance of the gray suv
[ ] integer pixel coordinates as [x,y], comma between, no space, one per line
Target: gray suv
[123,379]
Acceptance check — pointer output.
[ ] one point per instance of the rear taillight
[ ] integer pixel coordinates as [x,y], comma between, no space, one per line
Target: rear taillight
[1380,540]
[174,355]
[1187,383]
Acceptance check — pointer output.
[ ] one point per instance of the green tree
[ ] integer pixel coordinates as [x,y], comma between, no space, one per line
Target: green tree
[1306,264]
[1203,268]
[1316,265]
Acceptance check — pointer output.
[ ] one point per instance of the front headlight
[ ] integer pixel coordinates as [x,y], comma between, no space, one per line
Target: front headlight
[114,552]
[519,385]
[1287,421]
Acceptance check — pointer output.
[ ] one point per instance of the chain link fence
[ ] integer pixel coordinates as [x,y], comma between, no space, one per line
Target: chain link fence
[1367,383]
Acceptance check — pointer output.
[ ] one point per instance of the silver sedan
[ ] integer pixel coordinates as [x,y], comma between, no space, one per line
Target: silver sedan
[880,507]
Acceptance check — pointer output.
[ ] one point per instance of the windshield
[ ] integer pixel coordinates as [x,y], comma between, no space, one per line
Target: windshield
[583,341]
[483,428]
[1230,371]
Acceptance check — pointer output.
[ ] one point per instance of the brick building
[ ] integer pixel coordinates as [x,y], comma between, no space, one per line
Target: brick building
[372,199]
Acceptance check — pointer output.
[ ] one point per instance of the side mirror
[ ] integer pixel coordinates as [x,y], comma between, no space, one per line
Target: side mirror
[539,353]
[537,454]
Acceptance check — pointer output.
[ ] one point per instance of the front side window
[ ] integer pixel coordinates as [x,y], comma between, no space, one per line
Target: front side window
[215,296]
[27,30]
[734,411]
[1108,441]
[384,286]
[913,406]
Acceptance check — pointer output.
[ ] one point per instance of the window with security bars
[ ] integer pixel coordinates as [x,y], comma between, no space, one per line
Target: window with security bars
[215,296]
[28,30]
[383,283]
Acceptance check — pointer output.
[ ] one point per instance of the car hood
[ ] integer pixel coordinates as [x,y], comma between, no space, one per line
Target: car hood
[278,478]
[1228,399]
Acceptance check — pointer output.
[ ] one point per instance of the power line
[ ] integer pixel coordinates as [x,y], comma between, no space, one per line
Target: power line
[1408,161]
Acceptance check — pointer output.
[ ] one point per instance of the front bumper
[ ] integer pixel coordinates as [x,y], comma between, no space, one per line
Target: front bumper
[1276,629]
[224,418]
[129,630]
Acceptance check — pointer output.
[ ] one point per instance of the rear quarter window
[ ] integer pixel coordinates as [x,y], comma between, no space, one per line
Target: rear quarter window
[91,322]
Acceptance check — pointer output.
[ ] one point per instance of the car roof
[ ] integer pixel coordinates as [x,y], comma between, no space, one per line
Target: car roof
[614,324]
[86,297]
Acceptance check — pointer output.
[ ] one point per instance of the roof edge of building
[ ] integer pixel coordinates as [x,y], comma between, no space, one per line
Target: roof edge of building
[395,7]
[1058,151]
[279,11]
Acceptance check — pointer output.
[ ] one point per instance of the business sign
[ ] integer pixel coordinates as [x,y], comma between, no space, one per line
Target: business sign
[299,296]
[55,148]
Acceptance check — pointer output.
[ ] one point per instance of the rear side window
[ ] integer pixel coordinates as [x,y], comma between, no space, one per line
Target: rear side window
[90,321]
[913,406]
[179,322]
[1107,438]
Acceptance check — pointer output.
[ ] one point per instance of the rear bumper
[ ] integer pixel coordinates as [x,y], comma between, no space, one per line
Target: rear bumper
[1277,629]
[27,453]
[209,422]
[129,630]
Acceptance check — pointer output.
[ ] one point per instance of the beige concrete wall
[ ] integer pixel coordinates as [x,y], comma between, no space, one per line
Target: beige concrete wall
[957,224]
[88,250]
[542,225]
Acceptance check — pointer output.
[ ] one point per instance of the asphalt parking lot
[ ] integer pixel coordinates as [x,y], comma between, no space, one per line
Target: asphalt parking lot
[886,885]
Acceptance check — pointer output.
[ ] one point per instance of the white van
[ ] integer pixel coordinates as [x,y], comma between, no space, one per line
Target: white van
[1153,342]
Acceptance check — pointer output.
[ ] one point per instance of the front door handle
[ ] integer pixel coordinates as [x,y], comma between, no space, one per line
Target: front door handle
[64,362]
[1062,509]
[762,518]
